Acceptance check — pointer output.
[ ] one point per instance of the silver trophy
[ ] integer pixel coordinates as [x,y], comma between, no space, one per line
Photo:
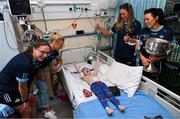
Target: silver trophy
[156,47]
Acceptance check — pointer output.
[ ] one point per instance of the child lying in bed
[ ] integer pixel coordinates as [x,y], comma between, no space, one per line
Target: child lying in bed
[99,88]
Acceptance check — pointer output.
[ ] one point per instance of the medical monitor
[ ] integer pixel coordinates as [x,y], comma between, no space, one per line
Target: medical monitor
[19,7]
[176,8]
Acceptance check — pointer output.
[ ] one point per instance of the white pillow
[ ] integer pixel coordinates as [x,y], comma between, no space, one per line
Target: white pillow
[125,77]
[103,68]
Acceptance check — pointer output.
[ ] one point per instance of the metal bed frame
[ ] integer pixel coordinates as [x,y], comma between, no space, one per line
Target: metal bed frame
[165,97]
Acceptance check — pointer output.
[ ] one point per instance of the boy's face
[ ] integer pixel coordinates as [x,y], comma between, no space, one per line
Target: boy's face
[86,71]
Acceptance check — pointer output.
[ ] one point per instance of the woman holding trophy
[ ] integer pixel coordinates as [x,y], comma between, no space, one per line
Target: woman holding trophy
[155,30]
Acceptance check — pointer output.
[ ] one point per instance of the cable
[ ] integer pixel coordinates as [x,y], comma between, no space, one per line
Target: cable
[71,23]
[6,38]
[4,26]
[91,25]
[90,20]
[44,19]
[17,39]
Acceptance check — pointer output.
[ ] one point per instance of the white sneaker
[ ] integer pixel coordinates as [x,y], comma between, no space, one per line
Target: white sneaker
[50,115]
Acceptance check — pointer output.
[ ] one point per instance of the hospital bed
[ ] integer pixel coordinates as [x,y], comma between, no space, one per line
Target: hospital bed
[149,100]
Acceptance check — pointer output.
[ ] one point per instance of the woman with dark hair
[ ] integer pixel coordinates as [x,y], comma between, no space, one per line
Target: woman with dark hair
[154,19]
[17,76]
[127,28]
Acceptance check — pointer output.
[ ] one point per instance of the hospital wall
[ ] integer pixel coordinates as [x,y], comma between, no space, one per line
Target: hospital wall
[60,15]
[65,28]
[88,19]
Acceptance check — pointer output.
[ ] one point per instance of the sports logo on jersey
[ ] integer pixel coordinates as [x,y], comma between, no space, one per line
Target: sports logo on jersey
[17,100]
[25,75]
[161,36]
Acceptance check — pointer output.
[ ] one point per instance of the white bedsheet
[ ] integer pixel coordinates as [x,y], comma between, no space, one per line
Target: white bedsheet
[125,77]
[76,85]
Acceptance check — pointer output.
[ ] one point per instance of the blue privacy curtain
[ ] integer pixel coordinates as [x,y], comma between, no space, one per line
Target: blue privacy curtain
[139,6]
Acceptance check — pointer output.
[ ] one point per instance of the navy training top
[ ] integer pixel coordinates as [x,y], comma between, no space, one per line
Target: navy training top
[52,55]
[19,69]
[163,32]
[122,49]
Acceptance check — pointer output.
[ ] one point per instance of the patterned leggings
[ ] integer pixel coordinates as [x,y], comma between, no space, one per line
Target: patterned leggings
[102,92]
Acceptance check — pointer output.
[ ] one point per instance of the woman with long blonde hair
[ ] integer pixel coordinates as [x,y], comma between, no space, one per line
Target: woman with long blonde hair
[127,28]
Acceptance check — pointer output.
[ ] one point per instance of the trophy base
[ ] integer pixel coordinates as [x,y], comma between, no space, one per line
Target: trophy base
[151,69]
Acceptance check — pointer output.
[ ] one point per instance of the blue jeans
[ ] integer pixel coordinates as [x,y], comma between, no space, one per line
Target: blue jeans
[43,97]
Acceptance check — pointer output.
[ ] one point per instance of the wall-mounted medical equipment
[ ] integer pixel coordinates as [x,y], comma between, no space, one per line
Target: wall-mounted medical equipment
[14,13]
[176,8]
[19,7]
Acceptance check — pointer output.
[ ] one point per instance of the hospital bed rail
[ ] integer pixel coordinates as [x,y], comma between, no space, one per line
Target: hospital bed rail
[165,97]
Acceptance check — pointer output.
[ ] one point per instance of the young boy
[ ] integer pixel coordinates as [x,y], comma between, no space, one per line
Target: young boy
[99,88]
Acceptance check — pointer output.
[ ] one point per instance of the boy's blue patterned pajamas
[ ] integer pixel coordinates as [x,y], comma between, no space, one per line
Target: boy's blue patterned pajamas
[102,92]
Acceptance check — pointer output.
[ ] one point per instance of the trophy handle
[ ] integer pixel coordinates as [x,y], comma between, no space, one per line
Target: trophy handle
[151,68]
[169,51]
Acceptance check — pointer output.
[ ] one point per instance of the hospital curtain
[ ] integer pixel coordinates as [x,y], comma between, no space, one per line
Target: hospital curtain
[139,6]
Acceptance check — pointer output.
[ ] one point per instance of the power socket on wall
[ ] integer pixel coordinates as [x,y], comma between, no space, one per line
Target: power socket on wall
[78,8]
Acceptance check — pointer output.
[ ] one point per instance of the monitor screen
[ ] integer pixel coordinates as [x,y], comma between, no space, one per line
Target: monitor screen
[19,7]
[176,8]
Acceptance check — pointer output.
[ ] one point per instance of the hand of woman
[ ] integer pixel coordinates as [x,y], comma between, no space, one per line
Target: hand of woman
[25,107]
[126,38]
[153,58]
[97,27]
[145,61]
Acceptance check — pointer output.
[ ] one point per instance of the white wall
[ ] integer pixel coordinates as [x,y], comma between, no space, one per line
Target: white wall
[8,42]
[60,9]
[59,18]
[82,24]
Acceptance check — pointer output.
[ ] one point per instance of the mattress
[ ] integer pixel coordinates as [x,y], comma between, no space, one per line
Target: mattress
[138,106]
[75,84]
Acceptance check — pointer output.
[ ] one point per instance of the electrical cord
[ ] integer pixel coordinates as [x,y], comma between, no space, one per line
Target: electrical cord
[21,43]
[71,23]
[93,26]
[5,34]
[7,39]
[44,19]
